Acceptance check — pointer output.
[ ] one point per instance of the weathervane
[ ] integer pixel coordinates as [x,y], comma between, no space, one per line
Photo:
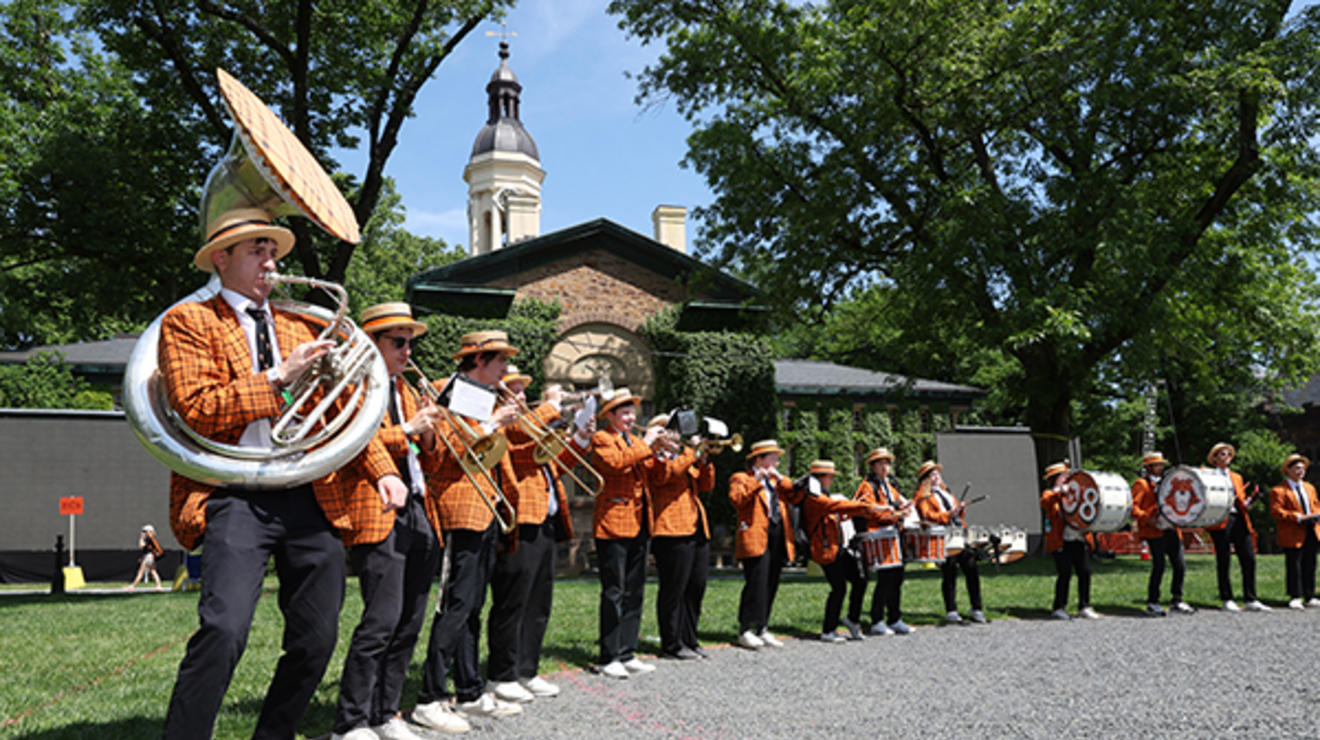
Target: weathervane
[504,33]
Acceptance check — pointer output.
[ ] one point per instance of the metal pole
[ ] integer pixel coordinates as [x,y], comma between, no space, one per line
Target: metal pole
[71,540]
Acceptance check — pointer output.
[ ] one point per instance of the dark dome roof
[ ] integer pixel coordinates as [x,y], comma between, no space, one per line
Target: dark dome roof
[505,135]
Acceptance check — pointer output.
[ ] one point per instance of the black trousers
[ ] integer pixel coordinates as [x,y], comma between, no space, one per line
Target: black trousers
[843,571]
[243,530]
[1169,546]
[395,576]
[622,566]
[1237,534]
[683,564]
[888,596]
[1299,567]
[949,583]
[456,630]
[522,589]
[1073,556]
[761,582]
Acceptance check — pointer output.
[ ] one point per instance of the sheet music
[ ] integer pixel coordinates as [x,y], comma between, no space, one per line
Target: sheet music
[471,399]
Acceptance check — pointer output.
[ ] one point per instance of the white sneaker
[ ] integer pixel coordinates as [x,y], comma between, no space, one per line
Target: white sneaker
[750,641]
[357,733]
[833,637]
[539,687]
[510,691]
[854,629]
[488,706]
[770,639]
[900,628]
[1087,612]
[978,616]
[1060,615]
[439,715]
[1231,606]
[880,629]
[1256,606]
[953,617]
[633,665]
[1313,602]
[1155,610]
[1182,607]
[1296,604]
[395,729]
[614,669]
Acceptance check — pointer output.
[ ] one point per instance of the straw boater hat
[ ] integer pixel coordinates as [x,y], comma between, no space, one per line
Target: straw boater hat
[879,453]
[1154,457]
[1303,459]
[822,467]
[513,375]
[239,224]
[485,341]
[764,447]
[621,396]
[1055,468]
[926,467]
[386,316]
[148,528]
[658,420]
[1210,456]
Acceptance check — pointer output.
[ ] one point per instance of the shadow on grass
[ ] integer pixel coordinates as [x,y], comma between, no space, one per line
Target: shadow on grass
[122,729]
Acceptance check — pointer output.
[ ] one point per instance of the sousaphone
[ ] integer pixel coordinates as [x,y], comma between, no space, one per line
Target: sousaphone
[336,406]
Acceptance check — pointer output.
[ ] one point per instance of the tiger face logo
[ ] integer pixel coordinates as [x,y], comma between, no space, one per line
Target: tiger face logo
[1182,497]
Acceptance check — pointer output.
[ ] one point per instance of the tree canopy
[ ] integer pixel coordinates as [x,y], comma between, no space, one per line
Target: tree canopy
[1081,194]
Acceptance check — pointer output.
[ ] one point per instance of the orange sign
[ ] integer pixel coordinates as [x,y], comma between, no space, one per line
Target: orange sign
[71,505]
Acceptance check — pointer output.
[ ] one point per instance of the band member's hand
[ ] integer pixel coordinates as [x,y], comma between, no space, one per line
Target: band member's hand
[302,358]
[959,509]
[393,493]
[425,419]
[591,427]
[652,434]
[504,416]
[553,394]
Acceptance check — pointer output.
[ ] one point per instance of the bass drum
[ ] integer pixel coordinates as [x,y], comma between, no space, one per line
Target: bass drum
[1096,501]
[1190,498]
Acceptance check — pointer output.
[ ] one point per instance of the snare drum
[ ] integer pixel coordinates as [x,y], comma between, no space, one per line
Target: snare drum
[1095,501]
[1012,544]
[978,535]
[1189,497]
[926,544]
[955,540]
[880,549]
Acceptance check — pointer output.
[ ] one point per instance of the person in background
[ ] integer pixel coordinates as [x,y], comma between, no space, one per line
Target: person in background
[1295,508]
[150,550]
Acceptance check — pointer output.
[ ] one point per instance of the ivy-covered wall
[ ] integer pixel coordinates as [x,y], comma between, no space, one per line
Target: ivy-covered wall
[530,326]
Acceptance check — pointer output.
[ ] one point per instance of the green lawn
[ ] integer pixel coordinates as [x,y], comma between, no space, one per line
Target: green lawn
[103,666]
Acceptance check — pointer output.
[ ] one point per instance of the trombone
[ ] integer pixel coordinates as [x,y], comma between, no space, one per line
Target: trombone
[549,444]
[481,453]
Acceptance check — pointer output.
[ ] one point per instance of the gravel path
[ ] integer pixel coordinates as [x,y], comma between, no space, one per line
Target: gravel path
[1203,675]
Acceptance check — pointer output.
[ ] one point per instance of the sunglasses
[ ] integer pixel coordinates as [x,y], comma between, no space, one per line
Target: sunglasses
[399,342]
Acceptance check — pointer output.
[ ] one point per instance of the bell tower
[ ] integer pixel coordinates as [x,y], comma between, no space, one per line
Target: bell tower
[504,171]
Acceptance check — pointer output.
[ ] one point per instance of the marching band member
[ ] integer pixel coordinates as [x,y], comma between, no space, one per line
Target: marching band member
[471,535]
[936,505]
[1296,509]
[224,362]
[1235,530]
[393,552]
[681,543]
[824,516]
[879,489]
[622,523]
[1162,543]
[761,497]
[1067,546]
[522,586]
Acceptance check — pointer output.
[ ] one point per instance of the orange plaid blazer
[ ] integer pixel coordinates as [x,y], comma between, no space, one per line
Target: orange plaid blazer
[931,509]
[822,515]
[753,507]
[624,499]
[1285,508]
[676,485]
[368,523]
[451,500]
[206,365]
[1240,502]
[531,492]
[868,493]
[1051,500]
[1145,511]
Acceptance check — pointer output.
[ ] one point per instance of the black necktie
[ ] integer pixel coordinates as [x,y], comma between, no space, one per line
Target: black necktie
[265,360]
[774,502]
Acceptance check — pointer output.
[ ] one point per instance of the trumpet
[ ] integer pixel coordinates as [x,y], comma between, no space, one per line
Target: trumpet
[478,457]
[604,390]
[549,445]
[716,446]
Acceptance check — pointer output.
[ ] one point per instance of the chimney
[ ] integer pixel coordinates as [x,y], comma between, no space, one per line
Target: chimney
[670,224]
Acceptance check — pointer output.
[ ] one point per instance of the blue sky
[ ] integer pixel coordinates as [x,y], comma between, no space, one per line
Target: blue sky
[604,155]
